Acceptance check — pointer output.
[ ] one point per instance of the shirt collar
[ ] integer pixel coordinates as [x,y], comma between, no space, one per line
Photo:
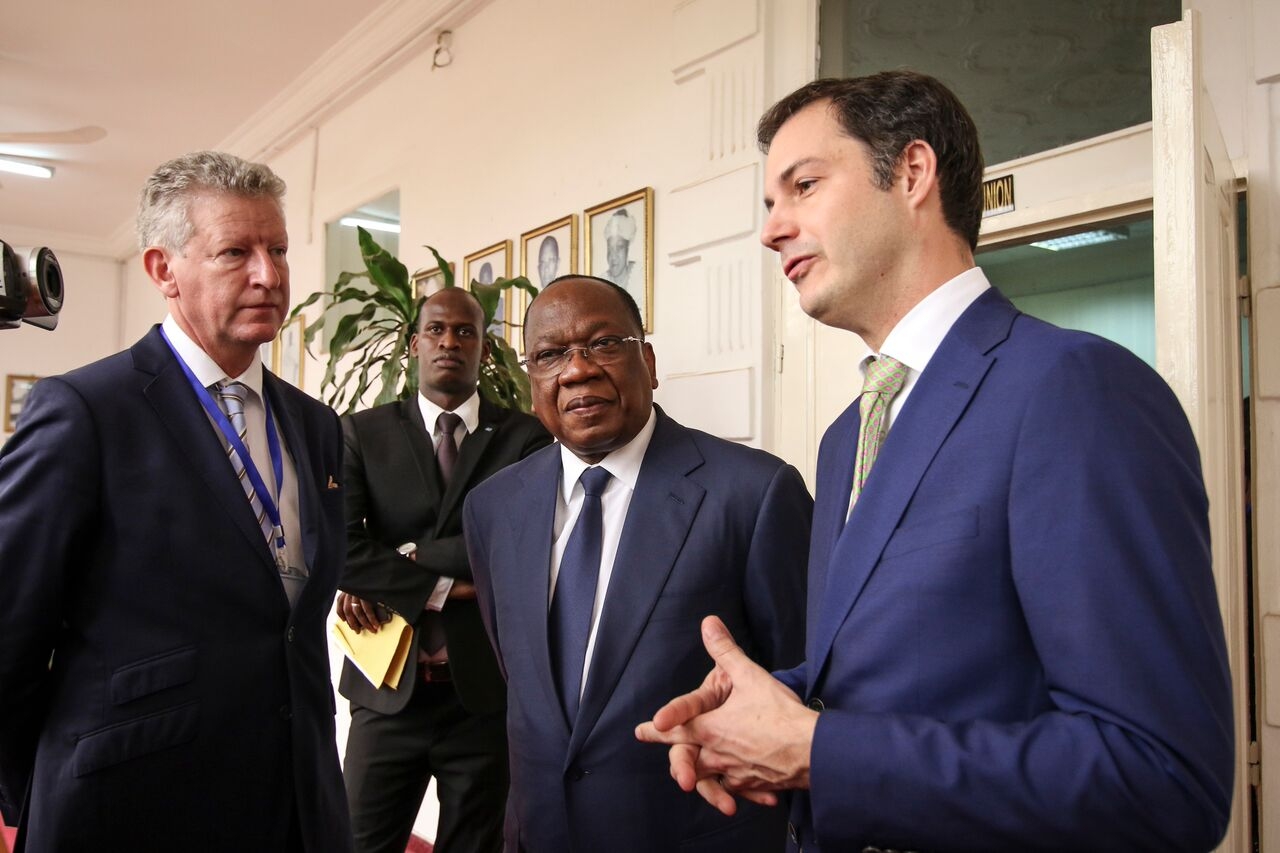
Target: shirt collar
[623,463]
[917,336]
[469,411]
[206,370]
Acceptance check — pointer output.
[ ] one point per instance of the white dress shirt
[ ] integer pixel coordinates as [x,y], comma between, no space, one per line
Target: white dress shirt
[207,373]
[624,464]
[469,411]
[917,336]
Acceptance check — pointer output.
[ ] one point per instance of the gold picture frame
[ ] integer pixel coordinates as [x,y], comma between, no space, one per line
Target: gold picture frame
[16,389]
[427,282]
[290,356]
[484,267]
[542,258]
[550,238]
[622,220]
[488,264]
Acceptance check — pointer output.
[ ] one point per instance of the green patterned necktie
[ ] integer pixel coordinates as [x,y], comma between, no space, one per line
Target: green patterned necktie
[883,382]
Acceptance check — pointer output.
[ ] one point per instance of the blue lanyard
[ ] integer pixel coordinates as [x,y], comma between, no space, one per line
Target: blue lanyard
[233,438]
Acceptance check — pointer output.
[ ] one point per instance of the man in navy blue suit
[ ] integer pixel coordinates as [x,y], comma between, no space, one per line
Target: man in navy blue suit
[1013,637]
[594,561]
[171,535]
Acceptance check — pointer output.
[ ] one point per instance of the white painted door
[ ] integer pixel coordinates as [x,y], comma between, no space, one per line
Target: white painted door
[1198,337]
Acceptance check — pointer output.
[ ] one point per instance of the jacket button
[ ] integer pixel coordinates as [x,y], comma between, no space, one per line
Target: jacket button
[286,713]
[289,634]
[577,774]
[816,704]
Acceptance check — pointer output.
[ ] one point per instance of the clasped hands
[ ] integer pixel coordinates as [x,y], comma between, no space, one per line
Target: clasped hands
[742,732]
[362,614]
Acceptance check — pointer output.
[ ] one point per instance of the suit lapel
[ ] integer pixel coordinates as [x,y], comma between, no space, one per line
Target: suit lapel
[288,421]
[197,446]
[834,484]
[937,402]
[418,438]
[658,521]
[527,573]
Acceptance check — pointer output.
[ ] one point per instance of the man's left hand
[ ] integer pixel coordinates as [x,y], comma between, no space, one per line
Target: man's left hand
[742,732]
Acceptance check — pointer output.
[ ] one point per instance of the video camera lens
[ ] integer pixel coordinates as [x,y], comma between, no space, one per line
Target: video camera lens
[31,289]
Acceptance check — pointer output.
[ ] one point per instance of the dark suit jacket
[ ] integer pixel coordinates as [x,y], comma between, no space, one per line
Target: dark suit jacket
[187,706]
[1016,635]
[713,527]
[395,495]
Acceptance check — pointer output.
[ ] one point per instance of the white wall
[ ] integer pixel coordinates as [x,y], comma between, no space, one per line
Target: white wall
[549,108]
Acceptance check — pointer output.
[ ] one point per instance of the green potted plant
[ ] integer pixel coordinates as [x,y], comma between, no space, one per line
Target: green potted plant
[376,322]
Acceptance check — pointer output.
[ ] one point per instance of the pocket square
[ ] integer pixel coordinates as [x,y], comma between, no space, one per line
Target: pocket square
[332,484]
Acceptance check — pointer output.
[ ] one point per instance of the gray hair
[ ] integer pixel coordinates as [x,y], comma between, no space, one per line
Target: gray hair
[163,216]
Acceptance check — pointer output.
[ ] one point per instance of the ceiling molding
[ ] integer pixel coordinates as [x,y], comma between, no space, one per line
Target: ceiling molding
[397,31]
[394,33]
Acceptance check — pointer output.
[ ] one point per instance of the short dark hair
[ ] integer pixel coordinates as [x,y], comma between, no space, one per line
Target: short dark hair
[422,306]
[887,112]
[628,301]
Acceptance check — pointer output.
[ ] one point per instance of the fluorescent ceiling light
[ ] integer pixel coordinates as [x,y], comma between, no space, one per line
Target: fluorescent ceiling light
[1075,241]
[370,224]
[20,167]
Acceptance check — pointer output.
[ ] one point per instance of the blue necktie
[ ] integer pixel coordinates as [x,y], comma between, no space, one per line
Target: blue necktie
[575,595]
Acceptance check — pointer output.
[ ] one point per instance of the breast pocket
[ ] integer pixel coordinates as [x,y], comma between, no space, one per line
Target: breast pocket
[931,532]
[688,606]
[153,674]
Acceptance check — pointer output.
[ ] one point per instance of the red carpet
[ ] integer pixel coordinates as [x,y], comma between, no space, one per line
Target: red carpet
[416,844]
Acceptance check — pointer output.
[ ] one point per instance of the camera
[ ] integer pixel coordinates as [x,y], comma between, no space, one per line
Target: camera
[30,287]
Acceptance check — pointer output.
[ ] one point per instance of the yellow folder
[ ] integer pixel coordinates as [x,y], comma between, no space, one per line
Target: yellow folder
[380,656]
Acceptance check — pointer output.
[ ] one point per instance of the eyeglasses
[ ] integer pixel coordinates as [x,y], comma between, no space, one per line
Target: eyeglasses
[552,362]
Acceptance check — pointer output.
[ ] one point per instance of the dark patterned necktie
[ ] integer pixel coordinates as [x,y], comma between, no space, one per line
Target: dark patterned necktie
[447,447]
[575,595]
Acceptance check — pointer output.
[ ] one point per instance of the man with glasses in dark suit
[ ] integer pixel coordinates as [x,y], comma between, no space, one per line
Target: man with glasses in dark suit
[594,561]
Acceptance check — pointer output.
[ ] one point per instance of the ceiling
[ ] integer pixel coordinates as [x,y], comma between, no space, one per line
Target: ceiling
[161,79]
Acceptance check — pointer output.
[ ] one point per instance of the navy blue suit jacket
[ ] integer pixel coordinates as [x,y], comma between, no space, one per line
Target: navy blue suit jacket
[713,527]
[187,706]
[1016,635]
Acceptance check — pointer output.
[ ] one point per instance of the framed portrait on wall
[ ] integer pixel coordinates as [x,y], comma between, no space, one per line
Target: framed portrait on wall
[427,282]
[549,251]
[291,351]
[488,264]
[16,389]
[485,267]
[620,246]
[546,252]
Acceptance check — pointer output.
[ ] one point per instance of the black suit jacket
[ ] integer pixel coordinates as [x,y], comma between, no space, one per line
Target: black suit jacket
[187,707]
[395,495]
